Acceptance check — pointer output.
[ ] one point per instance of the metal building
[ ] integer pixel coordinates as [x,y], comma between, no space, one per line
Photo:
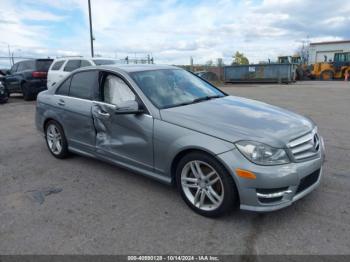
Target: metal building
[324,51]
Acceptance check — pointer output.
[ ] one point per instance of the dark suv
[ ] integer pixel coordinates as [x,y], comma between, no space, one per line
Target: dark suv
[28,77]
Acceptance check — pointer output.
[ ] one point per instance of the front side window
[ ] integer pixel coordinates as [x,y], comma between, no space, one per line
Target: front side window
[83,84]
[14,68]
[173,87]
[72,65]
[115,91]
[57,65]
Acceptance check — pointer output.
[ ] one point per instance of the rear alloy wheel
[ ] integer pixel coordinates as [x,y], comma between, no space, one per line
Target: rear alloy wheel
[55,140]
[205,185]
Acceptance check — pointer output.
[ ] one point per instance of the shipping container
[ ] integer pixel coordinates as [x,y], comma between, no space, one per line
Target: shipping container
[256,73]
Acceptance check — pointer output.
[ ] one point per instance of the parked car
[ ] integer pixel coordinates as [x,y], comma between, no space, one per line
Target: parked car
[3,72]
[3,94]
[62,67]
[27,77]
[208,76]
[171,125]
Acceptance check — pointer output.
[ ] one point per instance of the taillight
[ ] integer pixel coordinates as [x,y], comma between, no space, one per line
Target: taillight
[38,74]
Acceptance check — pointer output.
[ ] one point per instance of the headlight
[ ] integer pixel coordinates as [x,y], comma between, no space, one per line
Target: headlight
[262,154]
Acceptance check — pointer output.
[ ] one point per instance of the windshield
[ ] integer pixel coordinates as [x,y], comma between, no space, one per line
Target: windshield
[104,61]
[174,87]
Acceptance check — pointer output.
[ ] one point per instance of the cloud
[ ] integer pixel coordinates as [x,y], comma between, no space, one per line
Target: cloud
[173,30]
[35,15]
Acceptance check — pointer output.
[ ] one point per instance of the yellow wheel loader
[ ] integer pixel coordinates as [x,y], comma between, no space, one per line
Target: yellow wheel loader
[332,70]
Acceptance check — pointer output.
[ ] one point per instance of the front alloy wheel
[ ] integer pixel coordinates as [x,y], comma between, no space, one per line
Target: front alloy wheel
[202,185]
[205,185]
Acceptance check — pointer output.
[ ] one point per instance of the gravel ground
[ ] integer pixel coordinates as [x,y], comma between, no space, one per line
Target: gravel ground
[83,206]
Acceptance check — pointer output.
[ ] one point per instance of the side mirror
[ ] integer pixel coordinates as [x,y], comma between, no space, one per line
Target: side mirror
[129,107]
[8,72]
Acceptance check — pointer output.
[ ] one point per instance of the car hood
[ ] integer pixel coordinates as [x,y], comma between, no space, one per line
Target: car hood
[234,118]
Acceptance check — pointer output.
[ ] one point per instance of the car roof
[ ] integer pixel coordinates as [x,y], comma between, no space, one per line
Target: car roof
[35,59]
[135,68]
[83,58]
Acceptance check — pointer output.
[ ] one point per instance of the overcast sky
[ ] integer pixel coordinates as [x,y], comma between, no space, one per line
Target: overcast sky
[171,30]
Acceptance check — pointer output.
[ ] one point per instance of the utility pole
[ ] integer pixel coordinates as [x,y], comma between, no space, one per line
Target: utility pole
[9,49]
[91,36]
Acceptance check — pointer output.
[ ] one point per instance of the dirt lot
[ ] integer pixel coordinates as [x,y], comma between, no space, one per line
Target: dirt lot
[103,209]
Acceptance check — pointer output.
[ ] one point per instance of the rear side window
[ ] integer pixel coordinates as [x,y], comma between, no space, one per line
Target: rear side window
[72,65]
[26,65]
[83,84]
[64,87]
[57,65]
[43,65]
[85,63]
[20,67]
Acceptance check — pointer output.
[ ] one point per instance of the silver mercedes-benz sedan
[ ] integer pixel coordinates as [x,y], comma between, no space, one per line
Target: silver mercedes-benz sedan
[168,124]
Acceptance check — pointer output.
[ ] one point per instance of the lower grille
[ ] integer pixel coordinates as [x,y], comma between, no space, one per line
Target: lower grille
[308,181]
[269,200]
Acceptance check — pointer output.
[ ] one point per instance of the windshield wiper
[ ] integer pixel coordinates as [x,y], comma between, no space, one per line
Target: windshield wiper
[204,98]
[197,100]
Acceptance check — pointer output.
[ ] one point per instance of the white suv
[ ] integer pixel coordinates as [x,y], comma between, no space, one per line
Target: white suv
[63,66]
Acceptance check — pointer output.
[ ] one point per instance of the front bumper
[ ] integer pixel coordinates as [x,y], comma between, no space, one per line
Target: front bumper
[275,187]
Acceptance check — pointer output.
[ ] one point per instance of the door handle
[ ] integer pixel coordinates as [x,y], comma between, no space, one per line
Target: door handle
[61,102]
[105,114]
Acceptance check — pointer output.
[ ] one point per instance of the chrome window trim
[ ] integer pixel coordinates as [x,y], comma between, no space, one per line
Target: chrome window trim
[273,195]
[97,102]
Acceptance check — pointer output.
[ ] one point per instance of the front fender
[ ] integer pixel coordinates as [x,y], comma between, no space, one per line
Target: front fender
[170,140]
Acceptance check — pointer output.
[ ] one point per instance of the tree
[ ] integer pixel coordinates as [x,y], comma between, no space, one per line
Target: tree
[209,63]
[240,59]
[220,62]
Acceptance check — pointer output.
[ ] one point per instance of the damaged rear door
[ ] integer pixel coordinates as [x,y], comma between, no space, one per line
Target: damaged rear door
[74,98]
[124,138]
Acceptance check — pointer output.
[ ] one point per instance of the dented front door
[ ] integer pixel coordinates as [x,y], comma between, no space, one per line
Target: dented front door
[124,138]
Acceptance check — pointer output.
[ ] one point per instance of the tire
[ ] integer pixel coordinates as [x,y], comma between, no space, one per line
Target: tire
[327,75]
[192,188]
[27,94]
[56,140]
[5,97]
